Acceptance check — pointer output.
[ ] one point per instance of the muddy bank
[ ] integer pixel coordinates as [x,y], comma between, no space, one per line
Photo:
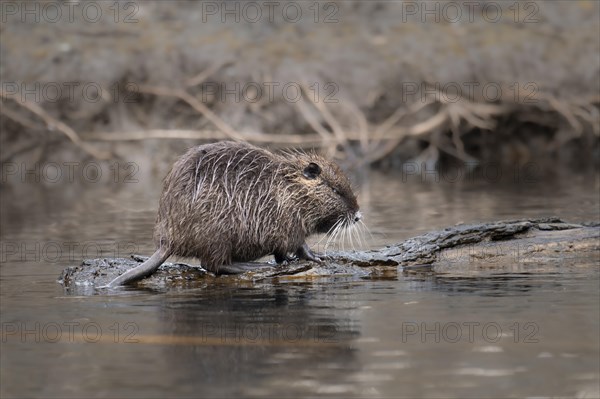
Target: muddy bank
[520,246]
[368,82]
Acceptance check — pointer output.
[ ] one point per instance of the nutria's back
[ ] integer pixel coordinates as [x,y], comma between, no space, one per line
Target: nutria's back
[232,201]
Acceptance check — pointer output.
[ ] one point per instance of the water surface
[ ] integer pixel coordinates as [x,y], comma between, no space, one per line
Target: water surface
[399,335]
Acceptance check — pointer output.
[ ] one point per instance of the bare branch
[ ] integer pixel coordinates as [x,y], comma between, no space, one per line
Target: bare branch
[53,123]
[195,104]
[207,73]
[311,140]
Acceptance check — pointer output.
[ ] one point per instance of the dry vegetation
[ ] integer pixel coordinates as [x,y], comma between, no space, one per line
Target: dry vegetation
[371,85]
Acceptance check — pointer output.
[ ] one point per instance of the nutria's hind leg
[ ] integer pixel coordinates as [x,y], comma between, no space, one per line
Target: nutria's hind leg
[304,252]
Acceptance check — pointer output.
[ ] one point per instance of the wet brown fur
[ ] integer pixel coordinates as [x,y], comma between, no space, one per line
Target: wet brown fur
[228,202]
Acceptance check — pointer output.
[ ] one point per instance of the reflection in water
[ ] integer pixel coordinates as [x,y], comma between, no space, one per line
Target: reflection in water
[498,285]
[251,335]
[393,335]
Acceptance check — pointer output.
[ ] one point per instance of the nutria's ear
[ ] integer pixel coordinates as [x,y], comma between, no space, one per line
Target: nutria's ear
[312,171]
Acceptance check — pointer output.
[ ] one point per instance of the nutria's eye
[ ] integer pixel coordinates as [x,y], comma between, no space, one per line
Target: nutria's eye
[335,190]
[312,171]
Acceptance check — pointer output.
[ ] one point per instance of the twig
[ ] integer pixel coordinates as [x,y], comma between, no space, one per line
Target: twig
[291,139]
[18,118]
[338,131]
[400,133]
[400,113]
[455,131]
[312,121]
[362,124]
[434,122]
[564,110]
[590,114]
[205,74]
[383,151]
[328,139]
[197,105]
[53,123]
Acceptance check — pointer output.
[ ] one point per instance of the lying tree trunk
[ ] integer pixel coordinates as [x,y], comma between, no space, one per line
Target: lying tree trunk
[504,246]
[515,246]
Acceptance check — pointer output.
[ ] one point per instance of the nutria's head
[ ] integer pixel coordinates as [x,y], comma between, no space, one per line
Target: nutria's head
[326,198]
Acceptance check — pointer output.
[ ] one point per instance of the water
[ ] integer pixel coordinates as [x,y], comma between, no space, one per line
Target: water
[400,335]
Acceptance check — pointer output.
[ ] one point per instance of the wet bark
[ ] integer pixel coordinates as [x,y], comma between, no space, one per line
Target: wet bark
[516,246]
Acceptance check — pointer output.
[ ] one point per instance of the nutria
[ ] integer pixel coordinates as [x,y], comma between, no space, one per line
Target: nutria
[231,201]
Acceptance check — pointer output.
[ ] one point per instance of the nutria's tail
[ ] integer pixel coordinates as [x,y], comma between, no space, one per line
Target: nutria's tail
[141,271]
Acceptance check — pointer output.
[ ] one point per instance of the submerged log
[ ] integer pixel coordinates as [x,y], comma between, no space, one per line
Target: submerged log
[516,246]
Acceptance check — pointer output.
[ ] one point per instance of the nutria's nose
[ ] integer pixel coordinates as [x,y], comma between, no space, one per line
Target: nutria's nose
[357,216]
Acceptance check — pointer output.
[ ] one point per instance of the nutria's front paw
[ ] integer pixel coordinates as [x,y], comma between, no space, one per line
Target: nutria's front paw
[304,252]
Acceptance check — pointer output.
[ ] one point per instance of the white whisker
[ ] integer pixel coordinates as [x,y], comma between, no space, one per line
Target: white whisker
[366,228]
[333,233]
[350,231]
[332,228]
[360,232]
[356,235]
